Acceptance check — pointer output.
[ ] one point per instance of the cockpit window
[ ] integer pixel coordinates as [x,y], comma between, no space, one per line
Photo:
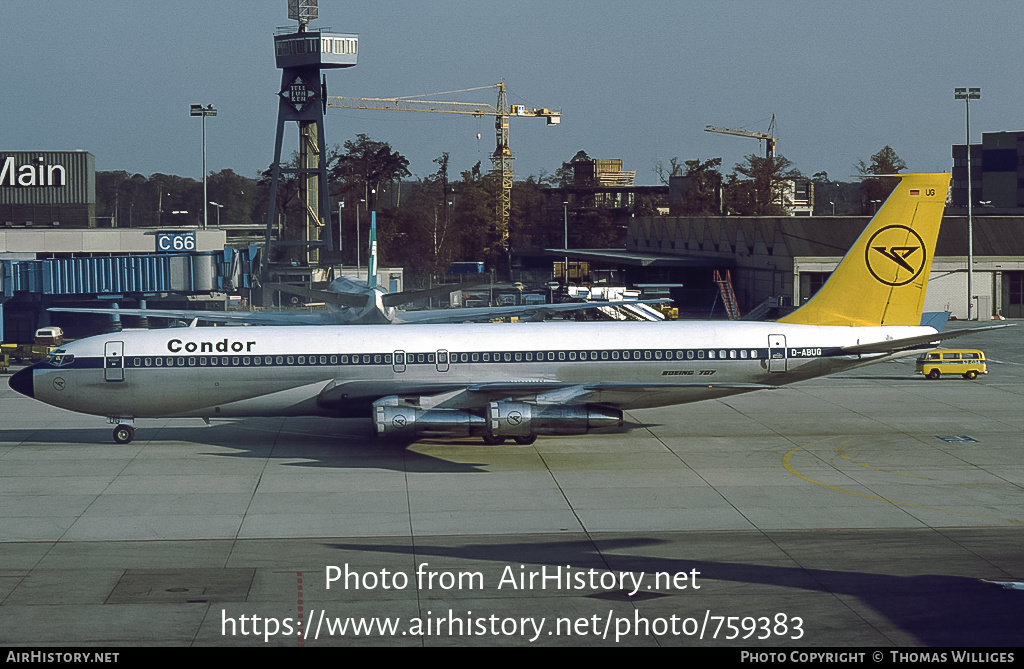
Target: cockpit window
[59,358]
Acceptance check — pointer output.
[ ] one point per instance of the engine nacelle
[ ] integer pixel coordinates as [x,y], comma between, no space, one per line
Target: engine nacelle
[404,420]
[522,419]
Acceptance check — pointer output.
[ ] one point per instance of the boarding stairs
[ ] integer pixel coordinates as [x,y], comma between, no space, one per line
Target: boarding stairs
[732,309]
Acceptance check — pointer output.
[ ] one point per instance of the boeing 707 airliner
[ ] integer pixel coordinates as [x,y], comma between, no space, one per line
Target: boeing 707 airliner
[504,380]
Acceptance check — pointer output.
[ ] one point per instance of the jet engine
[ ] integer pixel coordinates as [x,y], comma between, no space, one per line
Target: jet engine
[523,419]
[393,418]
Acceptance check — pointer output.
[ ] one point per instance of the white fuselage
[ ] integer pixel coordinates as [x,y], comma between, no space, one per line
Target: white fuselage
[342,370]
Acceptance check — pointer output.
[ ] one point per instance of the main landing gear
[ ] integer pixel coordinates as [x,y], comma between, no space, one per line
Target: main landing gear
[492,440]
[123,433]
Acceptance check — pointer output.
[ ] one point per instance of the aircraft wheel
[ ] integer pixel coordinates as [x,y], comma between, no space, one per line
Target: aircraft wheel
[934,374]
[123,434]
[971,375]
[526,441]
[492,440]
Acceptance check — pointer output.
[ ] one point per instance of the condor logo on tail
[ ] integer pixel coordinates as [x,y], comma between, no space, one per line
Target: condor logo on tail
[895,255]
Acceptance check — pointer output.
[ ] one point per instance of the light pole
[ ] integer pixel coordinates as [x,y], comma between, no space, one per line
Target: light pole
[565,205]
[219,207]
[358,240]
[968,94]
[341,207]
[200,110]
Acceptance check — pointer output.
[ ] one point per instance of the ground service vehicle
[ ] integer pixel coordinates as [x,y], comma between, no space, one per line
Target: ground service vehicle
[968,363]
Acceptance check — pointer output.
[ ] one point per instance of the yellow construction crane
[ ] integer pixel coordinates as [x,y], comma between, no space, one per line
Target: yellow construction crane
[501,160]
[766,137]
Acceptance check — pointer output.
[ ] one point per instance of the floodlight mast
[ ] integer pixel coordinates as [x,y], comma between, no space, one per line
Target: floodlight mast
[968,94]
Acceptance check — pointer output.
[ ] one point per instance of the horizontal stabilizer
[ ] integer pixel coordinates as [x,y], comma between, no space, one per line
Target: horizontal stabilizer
[466,314]
[893,345]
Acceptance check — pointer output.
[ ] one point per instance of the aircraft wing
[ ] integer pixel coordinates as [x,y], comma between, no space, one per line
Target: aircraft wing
[555,393]
[233,317]
[893,345]
[468,314]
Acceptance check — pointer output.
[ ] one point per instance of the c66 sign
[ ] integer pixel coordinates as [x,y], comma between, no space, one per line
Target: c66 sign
[176,242]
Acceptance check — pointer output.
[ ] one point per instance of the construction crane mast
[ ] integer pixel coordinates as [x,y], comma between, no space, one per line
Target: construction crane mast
[767,137]
[501,160]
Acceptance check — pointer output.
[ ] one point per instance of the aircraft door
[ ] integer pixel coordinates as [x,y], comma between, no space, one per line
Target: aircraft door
[442,360]
[777,353]
[398,362]
[113,361]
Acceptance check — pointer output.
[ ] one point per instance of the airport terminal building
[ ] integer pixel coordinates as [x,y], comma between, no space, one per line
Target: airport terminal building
[790,258]
[53,252]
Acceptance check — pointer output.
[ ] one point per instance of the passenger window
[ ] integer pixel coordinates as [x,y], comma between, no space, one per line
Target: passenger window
[711,354]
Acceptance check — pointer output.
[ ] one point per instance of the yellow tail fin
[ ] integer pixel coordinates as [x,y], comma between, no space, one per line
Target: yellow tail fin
[882,278]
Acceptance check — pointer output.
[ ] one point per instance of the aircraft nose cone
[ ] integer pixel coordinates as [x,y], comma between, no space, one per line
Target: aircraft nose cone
[22,382]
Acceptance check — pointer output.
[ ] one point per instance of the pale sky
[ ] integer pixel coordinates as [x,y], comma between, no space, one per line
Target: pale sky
[634,80]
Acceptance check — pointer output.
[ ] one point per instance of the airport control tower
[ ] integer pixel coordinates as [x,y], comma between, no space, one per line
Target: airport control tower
[301,56]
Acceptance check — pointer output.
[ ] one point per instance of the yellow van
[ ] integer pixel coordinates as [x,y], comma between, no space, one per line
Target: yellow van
[968,363]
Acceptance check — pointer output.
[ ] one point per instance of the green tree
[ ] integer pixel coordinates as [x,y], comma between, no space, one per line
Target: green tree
[236,194]
[703,184]
[876,190]
[762,191]
[364,167]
